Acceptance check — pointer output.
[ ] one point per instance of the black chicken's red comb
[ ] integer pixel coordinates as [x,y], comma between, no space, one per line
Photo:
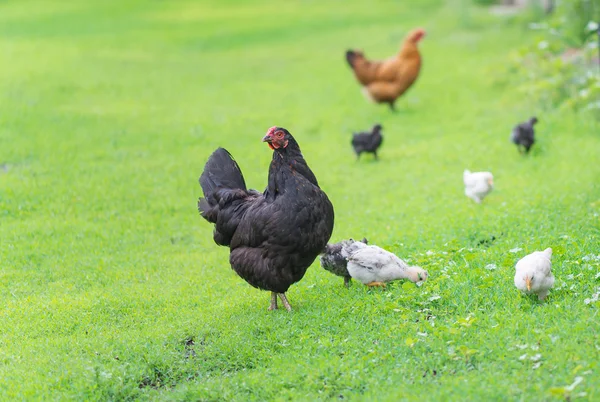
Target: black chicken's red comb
[272,130]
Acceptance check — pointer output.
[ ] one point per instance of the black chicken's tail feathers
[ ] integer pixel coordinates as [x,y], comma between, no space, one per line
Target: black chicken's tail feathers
[226,198]
[203,205]
[220,171]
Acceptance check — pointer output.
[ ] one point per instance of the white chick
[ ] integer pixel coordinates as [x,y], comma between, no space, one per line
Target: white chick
[335,257]
[533,273]
[478,184]
[374,266]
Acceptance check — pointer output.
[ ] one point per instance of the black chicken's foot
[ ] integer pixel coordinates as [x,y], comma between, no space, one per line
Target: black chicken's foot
[285,301]
[273,305]
[347,281]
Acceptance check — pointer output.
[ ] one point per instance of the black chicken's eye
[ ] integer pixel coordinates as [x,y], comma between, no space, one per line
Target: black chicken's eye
[279,134]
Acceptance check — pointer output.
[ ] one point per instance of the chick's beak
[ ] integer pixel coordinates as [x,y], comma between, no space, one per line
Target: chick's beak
[528,283]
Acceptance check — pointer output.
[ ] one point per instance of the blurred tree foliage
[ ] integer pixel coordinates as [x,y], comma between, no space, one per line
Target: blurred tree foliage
[562,68]
[574,17]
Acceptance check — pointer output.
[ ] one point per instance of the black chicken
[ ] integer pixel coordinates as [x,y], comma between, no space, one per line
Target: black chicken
[367,141]
[335,257]
[275,236]
[523,135]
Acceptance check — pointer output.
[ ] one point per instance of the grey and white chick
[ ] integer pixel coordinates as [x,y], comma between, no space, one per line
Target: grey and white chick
[374,266]
[533,273]
[335,257]
[477,184]
[367,141]
[523,135]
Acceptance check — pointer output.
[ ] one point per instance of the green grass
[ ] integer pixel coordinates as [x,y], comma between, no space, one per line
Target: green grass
[111,287]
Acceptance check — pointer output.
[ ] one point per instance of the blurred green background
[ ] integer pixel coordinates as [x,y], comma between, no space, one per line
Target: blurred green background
[111,287]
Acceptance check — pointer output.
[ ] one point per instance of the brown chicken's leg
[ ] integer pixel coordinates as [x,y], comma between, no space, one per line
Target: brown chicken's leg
[285,301]
[273,305]
[372,284]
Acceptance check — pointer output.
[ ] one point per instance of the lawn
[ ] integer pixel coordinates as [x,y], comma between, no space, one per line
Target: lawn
[111,287]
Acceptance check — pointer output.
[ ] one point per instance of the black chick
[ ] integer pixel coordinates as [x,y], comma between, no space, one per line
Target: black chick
[274,236]
[523,135]
[367,141]
[335,257]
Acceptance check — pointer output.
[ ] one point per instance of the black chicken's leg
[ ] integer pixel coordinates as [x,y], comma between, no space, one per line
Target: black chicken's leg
[273,305]
[285,301]
[347,281]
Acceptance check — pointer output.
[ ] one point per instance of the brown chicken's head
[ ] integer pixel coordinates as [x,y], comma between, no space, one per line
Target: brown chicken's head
[354,56]
[277,137]
[416,35]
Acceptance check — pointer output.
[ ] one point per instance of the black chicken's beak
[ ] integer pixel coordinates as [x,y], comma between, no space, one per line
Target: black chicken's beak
[269,140]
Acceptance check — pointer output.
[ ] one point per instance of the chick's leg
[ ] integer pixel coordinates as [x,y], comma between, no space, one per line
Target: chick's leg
[373,284]
[273,305]
[285,301]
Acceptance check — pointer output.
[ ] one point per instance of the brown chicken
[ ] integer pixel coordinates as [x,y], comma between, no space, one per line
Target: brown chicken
[384,81]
